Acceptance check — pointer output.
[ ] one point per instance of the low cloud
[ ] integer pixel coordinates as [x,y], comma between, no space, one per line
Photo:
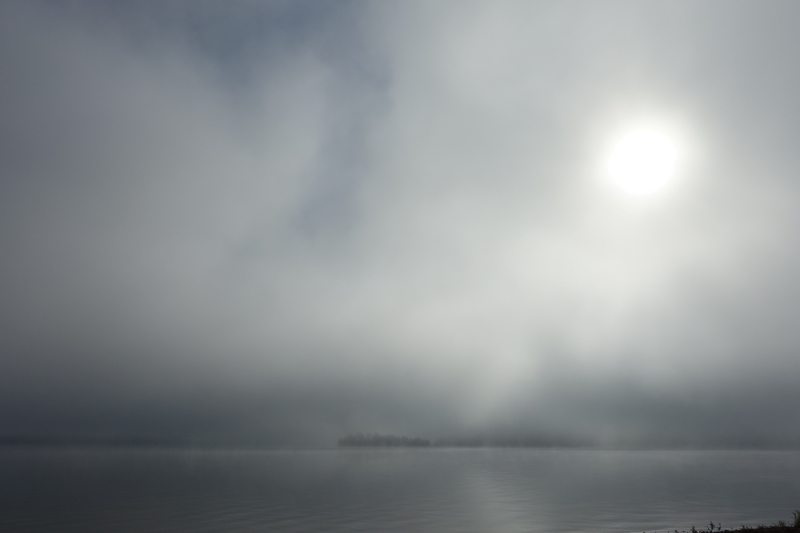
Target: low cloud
[278,223]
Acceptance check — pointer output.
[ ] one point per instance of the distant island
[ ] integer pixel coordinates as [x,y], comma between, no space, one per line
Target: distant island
[377,440]
[380,440]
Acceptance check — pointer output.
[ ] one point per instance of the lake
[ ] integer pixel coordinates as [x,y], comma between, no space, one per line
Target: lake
[393,490]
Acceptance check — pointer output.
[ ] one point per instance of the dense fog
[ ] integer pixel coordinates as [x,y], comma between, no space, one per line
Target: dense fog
[279,223]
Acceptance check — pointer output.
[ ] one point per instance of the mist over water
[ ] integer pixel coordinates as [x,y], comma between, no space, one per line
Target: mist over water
[268,225]
[443,490]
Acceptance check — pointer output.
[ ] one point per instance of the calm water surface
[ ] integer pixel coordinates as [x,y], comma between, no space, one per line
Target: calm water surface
[425,490]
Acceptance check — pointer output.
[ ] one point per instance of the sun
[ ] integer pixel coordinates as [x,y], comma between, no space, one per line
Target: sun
[642,163]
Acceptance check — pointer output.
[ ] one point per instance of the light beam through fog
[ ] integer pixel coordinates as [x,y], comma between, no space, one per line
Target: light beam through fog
[266,224]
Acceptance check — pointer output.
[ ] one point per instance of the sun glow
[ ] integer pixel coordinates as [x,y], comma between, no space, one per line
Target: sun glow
[642,163]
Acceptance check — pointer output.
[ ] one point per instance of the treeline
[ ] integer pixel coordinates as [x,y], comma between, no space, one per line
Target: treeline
[493,441]
[376,440]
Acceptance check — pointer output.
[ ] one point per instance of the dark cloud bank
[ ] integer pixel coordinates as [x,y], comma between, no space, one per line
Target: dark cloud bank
[250,223]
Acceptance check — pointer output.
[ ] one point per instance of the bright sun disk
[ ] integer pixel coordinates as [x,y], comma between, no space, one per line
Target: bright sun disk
[642,163]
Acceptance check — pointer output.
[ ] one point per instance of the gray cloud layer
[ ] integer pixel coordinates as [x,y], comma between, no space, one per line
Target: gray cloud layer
[280,222]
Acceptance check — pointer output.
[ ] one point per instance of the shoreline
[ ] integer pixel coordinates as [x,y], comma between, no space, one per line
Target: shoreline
[778,527]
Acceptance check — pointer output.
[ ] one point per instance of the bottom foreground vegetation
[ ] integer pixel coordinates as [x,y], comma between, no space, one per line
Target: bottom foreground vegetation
[778,527]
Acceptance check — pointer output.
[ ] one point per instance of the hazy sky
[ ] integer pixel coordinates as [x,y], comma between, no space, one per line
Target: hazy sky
[280,222]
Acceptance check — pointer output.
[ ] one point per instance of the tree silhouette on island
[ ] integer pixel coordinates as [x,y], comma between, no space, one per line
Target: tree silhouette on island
[377,440]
